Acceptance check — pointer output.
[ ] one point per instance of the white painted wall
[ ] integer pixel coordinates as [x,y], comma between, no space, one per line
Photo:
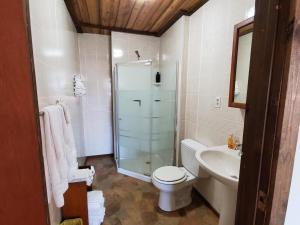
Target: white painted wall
[97,109]
[55,51]
[209,60]
[292,215]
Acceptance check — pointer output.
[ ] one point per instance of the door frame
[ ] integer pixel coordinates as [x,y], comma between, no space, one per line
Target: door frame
[271,121]
[271,110]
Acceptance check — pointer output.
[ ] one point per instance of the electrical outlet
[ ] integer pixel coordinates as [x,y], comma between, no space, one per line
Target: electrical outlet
[218,102]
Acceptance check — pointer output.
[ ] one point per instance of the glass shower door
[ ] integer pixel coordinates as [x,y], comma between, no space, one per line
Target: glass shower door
[164,117]
[133,84]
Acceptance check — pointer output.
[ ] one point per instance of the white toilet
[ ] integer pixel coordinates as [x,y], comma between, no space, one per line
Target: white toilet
[175,183]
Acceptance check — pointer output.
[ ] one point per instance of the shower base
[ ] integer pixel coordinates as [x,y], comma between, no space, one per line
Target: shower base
[140,167]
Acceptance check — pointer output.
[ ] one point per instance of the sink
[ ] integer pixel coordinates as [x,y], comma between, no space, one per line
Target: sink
[223,165]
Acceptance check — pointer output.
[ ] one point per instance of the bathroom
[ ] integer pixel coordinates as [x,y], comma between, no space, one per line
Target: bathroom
[153,100]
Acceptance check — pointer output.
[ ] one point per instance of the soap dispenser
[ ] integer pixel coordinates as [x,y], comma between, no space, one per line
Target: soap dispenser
[157,77]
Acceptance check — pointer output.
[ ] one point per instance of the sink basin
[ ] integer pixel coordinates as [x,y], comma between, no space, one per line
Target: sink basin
[222,165]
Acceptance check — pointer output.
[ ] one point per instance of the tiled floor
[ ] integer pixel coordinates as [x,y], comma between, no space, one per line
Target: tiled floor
[129,201]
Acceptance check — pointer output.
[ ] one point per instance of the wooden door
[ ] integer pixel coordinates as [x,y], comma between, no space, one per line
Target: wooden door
[22,190]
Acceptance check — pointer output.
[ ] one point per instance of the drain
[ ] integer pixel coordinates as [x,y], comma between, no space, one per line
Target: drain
[234,177]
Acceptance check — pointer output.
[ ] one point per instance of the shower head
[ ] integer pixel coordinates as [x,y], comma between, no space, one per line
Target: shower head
[137,54]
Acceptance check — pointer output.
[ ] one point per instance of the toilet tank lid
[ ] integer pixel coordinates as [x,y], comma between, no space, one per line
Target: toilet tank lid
[194,144]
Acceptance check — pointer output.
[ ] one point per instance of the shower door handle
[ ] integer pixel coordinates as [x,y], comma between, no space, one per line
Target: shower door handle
[139,101]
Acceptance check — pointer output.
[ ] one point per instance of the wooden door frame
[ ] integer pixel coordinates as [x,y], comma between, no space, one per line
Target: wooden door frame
[271,121]
[270,132]
[22,188]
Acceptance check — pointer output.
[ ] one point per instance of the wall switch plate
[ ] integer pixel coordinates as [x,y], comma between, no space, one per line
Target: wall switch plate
[218,102]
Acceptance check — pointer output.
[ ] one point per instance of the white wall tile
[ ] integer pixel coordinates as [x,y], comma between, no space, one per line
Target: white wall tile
[97,108]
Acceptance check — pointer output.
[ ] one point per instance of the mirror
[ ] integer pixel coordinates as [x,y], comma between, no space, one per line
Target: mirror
[241,52]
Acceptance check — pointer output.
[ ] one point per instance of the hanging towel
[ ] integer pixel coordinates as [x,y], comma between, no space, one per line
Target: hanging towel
[66,110]
[74,174]
[54,149]
[46,168]
[72,222]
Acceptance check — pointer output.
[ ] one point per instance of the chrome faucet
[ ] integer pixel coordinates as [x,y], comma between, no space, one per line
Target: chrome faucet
[239,148]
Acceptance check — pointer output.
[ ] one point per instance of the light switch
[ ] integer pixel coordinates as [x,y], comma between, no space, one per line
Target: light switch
[218,102]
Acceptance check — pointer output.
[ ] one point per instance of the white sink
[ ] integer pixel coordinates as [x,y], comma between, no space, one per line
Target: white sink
[223,165]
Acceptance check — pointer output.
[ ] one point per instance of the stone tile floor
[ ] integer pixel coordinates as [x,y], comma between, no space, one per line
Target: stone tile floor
[129,201]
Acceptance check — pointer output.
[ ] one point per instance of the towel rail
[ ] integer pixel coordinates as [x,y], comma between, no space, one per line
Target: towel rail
[58,101]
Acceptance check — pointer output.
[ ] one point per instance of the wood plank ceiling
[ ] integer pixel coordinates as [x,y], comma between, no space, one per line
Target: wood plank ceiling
[150,17]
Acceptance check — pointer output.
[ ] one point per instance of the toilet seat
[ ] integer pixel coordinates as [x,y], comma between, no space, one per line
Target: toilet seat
[170,175]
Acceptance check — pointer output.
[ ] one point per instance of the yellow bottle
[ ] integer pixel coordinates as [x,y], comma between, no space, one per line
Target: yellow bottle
[231,142]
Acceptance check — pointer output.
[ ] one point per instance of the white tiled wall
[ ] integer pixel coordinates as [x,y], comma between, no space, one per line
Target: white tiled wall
[124,46]
[97,112]
[209,59]
[173,50]
[56,61]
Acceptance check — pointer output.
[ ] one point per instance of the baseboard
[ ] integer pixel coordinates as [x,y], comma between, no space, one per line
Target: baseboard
[98,157]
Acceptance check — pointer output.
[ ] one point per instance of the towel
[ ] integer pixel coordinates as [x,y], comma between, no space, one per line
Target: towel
[82,175]
[72,222]
[74,174]
[96,209]
[66,110]
[60,155]
[54,152]
[46,168]
[69,143]
[79,87]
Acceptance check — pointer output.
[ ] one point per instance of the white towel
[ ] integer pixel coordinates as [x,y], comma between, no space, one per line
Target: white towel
[79,87]
[96,209]
[75,174]
[66,111]
[54,145]
[82,175]
[46,168]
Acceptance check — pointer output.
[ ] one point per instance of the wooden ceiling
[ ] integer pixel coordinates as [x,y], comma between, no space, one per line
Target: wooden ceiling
[149,17]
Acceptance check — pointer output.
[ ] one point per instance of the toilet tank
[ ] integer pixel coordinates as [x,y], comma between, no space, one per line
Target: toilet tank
[188,150]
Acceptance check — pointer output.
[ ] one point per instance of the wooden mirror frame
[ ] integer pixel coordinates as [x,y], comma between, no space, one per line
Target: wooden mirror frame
[240,29]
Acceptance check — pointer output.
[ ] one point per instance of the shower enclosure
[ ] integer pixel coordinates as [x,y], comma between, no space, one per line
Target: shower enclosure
[144,117]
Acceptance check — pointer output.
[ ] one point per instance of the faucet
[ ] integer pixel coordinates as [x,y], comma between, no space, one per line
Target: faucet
[239,148]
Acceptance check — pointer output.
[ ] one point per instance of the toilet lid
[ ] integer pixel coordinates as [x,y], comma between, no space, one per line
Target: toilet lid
[169,173]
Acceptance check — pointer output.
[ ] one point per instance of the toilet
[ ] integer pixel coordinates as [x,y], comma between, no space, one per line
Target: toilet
[175,183]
